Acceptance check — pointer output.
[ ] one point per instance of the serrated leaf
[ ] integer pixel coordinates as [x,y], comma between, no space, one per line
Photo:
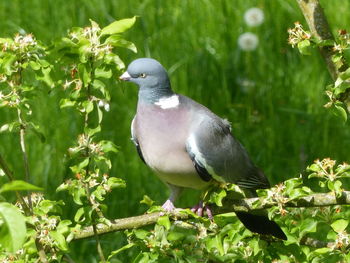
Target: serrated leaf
[118,26]
[340,225]
[13,230]
[19,185]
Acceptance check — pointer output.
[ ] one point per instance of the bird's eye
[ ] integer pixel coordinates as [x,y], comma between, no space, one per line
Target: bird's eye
[143,75]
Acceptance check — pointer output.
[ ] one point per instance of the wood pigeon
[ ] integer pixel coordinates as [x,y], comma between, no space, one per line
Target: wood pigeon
[187,145]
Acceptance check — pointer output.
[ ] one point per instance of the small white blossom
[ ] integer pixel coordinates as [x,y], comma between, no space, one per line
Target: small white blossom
[248,41]
[254,16]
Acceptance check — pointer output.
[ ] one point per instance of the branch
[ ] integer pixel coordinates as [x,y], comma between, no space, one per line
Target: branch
[319,28]
[243,205]
[6,169]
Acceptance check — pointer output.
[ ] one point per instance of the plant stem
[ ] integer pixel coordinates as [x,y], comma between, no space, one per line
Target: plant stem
[24,153]
[9,174]
[87,171]
[41,251]
[319,27]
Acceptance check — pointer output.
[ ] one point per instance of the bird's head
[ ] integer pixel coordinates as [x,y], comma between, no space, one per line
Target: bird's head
[150,76]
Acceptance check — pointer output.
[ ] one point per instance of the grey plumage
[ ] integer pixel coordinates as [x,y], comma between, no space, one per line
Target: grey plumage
[187,145]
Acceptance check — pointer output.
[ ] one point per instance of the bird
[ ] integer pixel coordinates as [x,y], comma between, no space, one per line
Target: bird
[187,145]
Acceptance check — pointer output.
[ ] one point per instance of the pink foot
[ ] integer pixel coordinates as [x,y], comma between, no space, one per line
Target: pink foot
[198,209]
[168,206]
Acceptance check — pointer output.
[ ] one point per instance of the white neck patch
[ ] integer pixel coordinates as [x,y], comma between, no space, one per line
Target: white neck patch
[168,102]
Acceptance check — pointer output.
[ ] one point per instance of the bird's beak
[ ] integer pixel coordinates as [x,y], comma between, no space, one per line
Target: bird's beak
[126,76]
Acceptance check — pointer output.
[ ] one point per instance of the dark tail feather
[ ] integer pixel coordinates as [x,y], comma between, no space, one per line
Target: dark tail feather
[261,224]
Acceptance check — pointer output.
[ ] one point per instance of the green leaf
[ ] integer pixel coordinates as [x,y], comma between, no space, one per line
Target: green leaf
[108,146]
[78,193]
[339,111]
[85,73]
[88,106]
[164,221]
[115,252]
[340,225]
[103,73]
[114,59]
[99,115]
[100,86]
[216,197]
[118,26]
[13,230]
[60,240]
[114,182]
[308,225]
[92,131]
[34,65]
[19,185]
[304,47]
[47,206]
[66,103]
[77,168]
[117,41]
[7,63]
[79,215]
[147,200]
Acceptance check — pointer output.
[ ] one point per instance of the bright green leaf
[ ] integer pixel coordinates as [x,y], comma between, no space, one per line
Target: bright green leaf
[13,230]
[19,185]
[103,73]
[304,47]
[118,26]
[147,200]
[339,111]
[340,225]
[66,103]
[164,221]
[115,252]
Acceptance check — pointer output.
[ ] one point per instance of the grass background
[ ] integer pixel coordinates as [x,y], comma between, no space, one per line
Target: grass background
[278,117]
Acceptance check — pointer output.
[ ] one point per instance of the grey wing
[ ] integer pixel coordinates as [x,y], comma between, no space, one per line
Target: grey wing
[135,141]
[213,148]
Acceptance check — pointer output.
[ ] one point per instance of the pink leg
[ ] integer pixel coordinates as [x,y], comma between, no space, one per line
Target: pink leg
[198,209]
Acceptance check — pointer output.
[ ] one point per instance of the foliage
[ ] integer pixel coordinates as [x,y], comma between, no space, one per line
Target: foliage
[336,91]
[79,67]
[224,239]
[87,57]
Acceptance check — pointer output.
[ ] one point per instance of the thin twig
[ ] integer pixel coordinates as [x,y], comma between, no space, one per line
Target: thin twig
[24,154]
[6,169]
[41,251]
[9,174]
[243,205]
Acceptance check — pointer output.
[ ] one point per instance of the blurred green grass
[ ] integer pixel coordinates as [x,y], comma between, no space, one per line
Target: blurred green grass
[273,96]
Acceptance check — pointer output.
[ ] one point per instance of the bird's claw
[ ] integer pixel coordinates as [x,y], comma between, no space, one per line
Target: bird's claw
[168,206]
[199,208]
